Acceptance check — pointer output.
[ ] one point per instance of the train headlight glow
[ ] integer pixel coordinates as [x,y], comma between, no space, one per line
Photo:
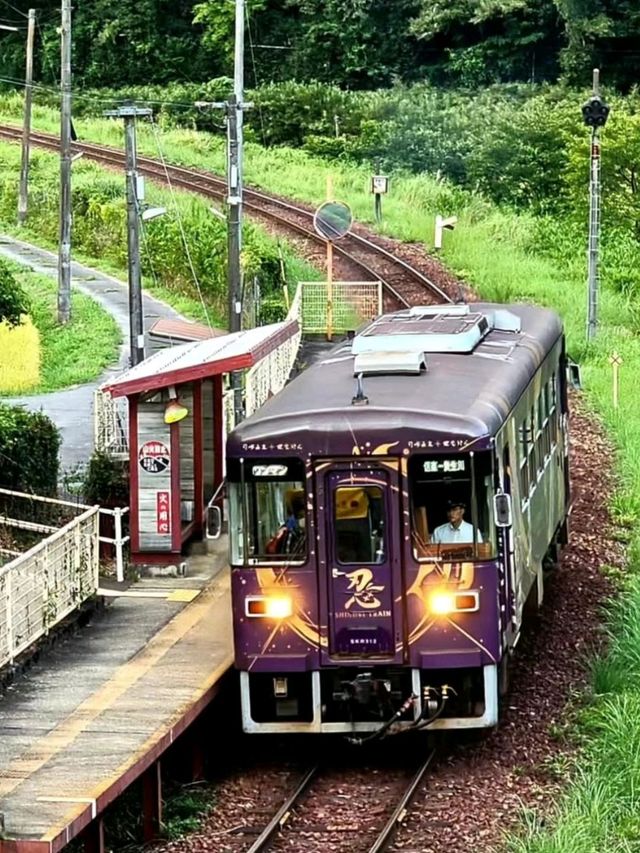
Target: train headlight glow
[269,606]
[441,602]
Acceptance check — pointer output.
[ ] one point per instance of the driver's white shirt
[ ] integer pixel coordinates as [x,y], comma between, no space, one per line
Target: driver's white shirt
[447,533]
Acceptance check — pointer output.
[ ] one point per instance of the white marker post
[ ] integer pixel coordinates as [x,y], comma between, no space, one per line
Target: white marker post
[442,223]
[615,361]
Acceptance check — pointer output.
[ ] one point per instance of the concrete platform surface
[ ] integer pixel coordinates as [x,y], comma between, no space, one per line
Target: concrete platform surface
[97,710]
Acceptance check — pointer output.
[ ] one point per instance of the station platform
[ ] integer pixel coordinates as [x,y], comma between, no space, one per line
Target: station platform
[98,710]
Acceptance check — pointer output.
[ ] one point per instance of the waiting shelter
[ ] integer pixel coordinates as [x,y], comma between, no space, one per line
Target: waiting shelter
[178,419]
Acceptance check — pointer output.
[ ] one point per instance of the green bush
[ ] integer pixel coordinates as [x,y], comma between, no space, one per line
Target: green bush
[13,299]
[29,445]
[106,481]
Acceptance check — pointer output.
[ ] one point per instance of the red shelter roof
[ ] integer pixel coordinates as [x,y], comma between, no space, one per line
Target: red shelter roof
[201,359]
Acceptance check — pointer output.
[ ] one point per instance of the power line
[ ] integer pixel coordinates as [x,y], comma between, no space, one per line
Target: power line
[15,9]
[180,223]
[255,75]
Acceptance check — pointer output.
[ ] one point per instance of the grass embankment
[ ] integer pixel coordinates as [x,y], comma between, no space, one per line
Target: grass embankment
[191,277]
[40,355]
[510,258]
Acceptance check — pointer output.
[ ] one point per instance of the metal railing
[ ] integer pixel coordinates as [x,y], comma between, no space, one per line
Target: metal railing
[46,583]
[272,373]
[36,514]
[111,424]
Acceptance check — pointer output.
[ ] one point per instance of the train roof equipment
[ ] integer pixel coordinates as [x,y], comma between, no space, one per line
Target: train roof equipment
[458,368]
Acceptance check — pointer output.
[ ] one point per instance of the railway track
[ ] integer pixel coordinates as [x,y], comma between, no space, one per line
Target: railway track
[403,284]
[316,816]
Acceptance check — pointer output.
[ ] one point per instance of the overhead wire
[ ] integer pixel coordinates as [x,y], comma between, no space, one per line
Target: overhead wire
[183,234]
[47,60]
[255,74]
[147,250]
[14,9]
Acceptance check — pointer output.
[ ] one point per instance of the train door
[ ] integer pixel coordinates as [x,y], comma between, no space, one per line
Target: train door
[359,558]
[513,602]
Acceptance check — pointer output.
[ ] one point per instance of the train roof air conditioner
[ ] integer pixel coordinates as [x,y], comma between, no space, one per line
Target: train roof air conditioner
[440,328]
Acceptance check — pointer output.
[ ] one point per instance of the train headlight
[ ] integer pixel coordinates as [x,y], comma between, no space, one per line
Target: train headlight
[441,602]
[268,606]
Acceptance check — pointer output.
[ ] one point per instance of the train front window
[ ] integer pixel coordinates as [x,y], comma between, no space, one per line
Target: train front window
[452,506]
[358,524]
[267,510]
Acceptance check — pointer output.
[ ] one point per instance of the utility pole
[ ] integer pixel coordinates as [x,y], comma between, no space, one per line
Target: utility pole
[595,113]
[234,172]
[23,196]
[135,195]
[234,109]
[64,251]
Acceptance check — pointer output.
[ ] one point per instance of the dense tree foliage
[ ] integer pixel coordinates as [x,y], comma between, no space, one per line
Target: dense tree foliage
[115,42]
[483,42]
[351,43]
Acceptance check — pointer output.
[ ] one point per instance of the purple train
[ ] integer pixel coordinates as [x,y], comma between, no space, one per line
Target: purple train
[391,513]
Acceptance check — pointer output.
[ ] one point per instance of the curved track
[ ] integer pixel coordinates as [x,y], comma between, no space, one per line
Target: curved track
[403,284]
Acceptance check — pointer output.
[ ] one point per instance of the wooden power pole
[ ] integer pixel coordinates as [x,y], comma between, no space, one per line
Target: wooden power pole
[134,196]
[64,249]
[23,196]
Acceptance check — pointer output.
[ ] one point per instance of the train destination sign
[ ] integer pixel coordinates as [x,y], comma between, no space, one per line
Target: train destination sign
[444,466]
[154,457]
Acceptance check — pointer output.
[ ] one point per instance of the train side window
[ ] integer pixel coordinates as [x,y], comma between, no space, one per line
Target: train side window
[524,463]
[539,439]
[531,448]
[546,436]
[553,411]
[359,524]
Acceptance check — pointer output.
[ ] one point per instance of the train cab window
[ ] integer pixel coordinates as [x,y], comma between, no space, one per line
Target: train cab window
[452,506]
[358,523]
[267,510]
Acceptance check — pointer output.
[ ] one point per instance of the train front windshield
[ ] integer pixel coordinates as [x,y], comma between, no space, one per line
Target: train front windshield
[267,511]
[452,506]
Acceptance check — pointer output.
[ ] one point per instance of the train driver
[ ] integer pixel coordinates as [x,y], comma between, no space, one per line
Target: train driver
[456,528]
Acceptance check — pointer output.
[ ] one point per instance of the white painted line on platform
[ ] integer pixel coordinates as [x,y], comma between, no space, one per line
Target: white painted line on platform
[185,595]
[89,800]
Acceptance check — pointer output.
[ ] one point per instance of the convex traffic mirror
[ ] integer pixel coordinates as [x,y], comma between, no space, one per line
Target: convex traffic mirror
[332,220]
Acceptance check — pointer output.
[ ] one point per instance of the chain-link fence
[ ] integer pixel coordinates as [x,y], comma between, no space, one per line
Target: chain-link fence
[352,303]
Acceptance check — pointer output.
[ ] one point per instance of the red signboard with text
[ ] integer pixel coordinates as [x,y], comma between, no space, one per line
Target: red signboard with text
[163,516]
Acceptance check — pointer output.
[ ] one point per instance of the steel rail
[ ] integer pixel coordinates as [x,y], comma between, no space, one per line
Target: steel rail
[282,815]
[211,185]
[400,812]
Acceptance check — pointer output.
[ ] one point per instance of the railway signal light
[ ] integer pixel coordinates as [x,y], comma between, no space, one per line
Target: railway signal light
[595,112]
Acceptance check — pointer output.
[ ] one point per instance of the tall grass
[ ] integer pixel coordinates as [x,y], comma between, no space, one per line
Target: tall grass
[43,356]
[19,357]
